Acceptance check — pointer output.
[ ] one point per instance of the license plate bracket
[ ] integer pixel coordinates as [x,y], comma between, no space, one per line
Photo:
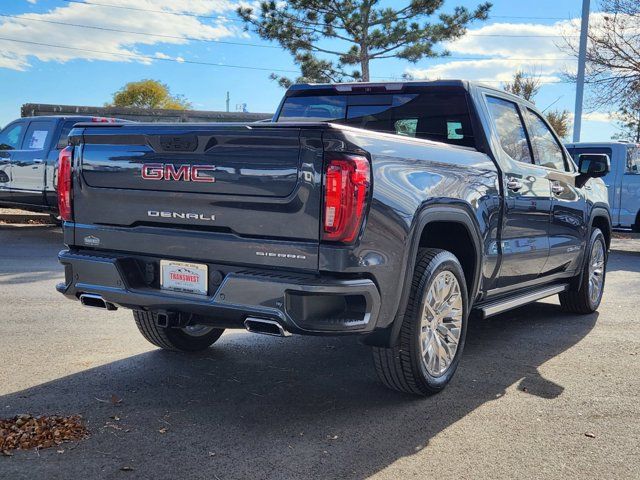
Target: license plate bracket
[184,277]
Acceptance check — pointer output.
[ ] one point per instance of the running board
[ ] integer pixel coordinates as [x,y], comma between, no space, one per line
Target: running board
[493,308]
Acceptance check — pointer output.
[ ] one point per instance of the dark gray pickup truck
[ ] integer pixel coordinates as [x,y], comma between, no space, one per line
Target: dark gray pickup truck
[29,149]
[390,211]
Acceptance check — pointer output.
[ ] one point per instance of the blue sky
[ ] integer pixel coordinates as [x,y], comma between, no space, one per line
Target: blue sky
[519,35]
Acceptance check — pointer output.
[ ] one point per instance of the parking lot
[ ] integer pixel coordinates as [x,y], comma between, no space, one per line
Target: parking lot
[539,393]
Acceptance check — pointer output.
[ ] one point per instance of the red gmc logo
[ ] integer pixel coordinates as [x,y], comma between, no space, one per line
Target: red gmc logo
[185,173]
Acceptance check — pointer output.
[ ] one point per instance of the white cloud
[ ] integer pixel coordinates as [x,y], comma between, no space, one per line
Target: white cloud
[601,117]
[489,70]
[93,44]
[508,47]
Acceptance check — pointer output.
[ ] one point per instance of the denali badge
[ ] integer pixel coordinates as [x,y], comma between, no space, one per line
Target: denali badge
[183,215]
[185,173]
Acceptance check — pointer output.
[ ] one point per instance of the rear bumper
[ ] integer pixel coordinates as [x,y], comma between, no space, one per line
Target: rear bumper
[305,304]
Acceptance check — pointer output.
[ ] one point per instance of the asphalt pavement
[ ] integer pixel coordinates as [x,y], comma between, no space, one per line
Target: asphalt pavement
[539,393]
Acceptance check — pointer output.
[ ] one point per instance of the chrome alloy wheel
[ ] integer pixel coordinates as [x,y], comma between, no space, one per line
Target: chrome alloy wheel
[596,271]
[197,330]
[441,323]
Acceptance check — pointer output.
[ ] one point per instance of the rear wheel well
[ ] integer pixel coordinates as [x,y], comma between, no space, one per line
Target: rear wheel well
[455,238]
[636,226]
[602,223]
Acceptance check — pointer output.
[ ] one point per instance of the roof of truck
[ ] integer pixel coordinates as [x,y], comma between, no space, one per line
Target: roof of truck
[394,85]
[399,86]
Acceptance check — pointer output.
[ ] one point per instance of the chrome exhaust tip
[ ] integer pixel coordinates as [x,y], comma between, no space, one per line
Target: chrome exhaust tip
[96,301]
[265,327]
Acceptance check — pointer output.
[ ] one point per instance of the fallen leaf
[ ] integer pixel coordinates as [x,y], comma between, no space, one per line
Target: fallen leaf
[163,430]
[590,435]
[212,454]
[126,469]
[61,451]
[26,432]
[115,400]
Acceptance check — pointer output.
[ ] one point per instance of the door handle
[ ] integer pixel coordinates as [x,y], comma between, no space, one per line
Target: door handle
[557,188]
[37,161]
[514,184]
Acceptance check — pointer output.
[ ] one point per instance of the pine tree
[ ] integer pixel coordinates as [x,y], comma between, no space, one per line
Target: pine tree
[356,32]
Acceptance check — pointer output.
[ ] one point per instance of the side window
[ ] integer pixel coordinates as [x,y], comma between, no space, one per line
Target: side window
[64,134]
[548,152]
[633,160]
[10,136]
[37,135]
[510,129]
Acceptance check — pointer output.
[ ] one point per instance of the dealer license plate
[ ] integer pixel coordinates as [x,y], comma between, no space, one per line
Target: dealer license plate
[183,277]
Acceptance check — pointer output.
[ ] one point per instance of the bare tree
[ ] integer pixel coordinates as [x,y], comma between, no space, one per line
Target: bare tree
[613,52]
[525,86]
[628,119]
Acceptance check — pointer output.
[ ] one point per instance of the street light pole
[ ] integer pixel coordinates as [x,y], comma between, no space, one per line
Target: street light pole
[582,54]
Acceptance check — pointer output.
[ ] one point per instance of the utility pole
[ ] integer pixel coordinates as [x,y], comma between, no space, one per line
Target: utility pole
[228,99]
[582,54]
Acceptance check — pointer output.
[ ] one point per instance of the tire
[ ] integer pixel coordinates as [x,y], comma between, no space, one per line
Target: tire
[635,228]
[579,298]
[405,367]
[175,339]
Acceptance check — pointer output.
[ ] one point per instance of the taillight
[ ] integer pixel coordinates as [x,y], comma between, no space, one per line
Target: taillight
[65,184]
[347,181]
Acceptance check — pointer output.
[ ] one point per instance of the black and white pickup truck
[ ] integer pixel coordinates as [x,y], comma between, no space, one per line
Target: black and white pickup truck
[29,149]
[390,211]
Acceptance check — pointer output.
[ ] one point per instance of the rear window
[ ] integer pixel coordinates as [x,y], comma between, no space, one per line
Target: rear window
[440,115]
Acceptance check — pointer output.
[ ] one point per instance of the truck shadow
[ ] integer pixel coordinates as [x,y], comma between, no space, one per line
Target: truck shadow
[258,407]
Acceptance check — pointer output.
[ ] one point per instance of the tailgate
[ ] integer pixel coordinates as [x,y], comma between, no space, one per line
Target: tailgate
[222,192]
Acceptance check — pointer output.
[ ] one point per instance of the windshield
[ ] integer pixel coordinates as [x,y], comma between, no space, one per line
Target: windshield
[440,115]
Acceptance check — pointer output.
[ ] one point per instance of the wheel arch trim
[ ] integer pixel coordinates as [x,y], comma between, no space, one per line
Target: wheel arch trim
[454,213]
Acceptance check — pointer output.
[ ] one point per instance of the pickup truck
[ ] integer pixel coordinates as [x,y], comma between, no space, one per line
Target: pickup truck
[29,150]
[389,211]
[623,181]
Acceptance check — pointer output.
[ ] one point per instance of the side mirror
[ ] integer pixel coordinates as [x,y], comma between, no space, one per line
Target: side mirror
[592,165]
